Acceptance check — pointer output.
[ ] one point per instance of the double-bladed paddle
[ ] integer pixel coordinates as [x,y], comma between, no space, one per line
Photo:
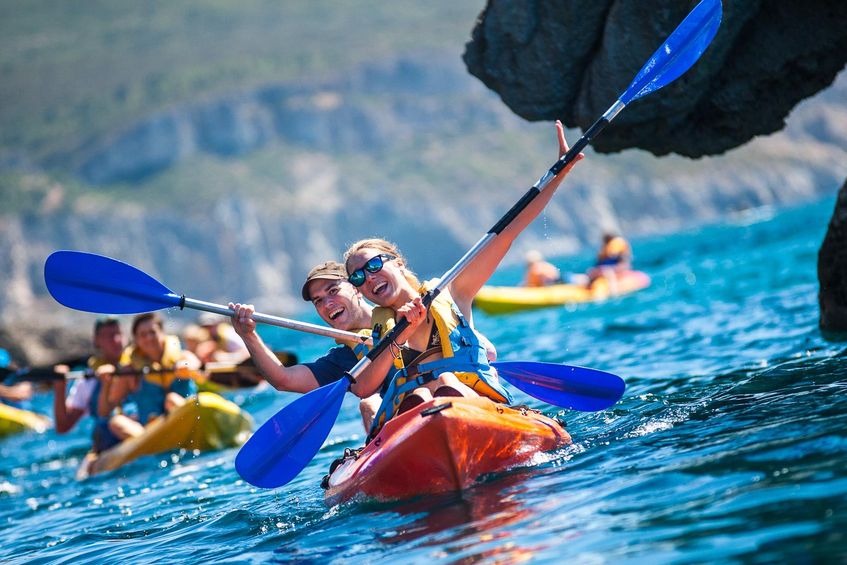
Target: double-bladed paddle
[235,375]
[50,374]
[12,374]
[94,283]
[284,445]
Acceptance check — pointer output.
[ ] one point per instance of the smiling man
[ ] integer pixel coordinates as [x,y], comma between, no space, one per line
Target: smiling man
[340,305]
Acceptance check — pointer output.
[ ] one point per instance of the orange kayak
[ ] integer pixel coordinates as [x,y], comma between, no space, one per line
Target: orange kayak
[442,445]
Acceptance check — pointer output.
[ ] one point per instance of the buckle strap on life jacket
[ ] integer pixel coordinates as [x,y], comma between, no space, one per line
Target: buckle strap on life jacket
[401,385]
[462,354]
[361,350]
[404,381]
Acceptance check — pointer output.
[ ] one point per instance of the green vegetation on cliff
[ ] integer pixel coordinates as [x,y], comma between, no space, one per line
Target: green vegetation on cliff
[72,71]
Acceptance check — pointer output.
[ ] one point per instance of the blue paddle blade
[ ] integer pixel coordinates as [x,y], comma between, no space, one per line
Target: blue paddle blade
[577,388]
[285,444]
[94,283]
[5,359]
[678,52]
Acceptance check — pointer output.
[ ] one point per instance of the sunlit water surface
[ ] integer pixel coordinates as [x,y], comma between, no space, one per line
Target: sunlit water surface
[730,442]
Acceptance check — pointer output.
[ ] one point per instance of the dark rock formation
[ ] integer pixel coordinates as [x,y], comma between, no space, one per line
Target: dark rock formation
[832,268]
[570,60]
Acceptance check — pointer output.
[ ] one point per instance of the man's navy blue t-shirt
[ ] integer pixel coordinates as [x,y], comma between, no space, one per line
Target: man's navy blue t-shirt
[333,365]
[338,360]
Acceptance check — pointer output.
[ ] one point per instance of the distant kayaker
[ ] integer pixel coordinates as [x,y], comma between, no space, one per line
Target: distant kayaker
[615,256]
[86,395]
[223,344]
[539,272]
[193,336]
[340,305]
[439,354]
[156,393]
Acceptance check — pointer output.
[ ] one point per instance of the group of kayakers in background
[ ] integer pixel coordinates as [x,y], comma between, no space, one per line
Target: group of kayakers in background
[129,386]
[614,257]
[133,384]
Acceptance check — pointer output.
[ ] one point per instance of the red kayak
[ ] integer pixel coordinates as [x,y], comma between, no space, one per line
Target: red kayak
[442,445]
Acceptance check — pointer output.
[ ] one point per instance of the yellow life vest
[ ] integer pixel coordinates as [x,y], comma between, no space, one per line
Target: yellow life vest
[450,325]
[95,362]
[360,349]
[132,357]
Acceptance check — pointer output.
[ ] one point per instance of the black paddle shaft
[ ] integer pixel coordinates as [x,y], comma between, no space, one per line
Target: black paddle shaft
[37,374]
[557,167]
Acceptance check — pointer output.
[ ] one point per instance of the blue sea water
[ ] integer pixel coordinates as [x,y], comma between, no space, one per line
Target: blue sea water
[730,443]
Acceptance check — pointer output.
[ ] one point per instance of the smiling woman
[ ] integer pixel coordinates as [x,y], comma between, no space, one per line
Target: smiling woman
[439,353]
[442,355]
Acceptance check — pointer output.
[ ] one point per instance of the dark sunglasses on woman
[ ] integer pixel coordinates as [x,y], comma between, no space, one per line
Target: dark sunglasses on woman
[373,265]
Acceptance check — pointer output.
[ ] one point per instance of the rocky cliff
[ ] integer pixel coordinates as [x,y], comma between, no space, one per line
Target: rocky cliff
[368,110]
[832,268]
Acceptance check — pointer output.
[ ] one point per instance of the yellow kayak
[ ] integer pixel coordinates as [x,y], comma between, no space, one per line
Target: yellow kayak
[205,422]
[14,420]
[504,299]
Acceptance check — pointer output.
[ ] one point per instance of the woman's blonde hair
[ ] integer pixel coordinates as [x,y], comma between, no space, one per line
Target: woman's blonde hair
[384,246]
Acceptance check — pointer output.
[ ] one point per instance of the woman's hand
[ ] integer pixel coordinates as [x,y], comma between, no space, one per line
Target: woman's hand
[563,148]
[415,313]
